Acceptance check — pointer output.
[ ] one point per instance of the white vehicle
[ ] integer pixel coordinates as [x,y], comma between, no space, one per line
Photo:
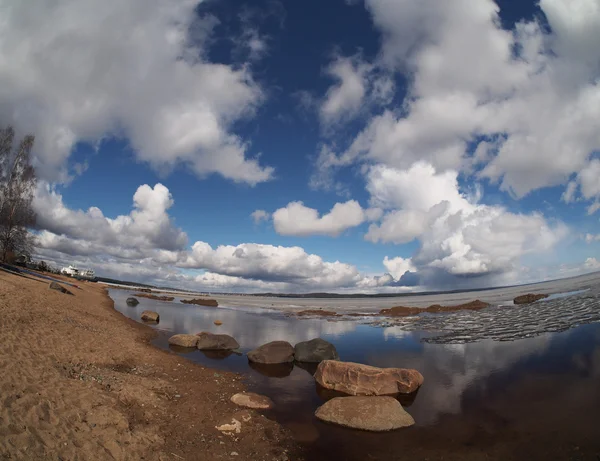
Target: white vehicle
[71,271]
[87,274]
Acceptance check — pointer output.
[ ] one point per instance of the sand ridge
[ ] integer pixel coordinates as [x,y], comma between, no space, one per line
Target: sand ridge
[79,381]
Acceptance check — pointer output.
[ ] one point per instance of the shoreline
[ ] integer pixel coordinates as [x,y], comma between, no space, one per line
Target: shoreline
[86,383]
[372,306]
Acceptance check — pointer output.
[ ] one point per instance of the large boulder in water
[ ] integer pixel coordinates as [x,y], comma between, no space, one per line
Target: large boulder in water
[184,340]
[132,302]
[273,352]
[211,342]
[314,351]
[367,413]
[57,287]
[529,298]
[357,379]
[150,316]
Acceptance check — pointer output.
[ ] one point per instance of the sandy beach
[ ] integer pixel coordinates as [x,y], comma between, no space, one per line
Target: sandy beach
[81,382]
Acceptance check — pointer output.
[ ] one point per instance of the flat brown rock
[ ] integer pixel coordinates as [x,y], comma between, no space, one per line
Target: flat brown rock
[366,413]
[357,379]
[252,400]
[150,316]
[201,302]
[273,352]
[529,298]
[184,340]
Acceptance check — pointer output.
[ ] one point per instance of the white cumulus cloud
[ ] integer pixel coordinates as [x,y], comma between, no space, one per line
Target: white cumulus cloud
[457,236]
[299,220]
[147,228]
[589,238]
[531,95]
[259,215]
[82,70]
[343,100]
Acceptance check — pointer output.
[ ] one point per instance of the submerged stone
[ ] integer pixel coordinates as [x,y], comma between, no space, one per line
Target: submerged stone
[184,340]
[316,350]
[376,414]
[273,352]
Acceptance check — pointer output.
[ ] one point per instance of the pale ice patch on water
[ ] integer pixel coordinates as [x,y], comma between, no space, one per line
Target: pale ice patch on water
[564,295]
[504,323]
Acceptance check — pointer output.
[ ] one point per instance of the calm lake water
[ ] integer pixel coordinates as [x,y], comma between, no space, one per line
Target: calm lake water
[504,383]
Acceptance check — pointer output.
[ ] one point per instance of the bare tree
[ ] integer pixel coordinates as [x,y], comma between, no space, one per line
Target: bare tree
[17,186]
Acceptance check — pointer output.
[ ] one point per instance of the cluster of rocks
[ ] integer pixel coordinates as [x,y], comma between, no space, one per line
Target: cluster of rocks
[369,404]
[276,352]
[205,341]
[153,317]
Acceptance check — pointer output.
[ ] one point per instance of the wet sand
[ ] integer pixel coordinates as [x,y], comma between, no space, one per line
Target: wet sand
[80,381]
[372,305]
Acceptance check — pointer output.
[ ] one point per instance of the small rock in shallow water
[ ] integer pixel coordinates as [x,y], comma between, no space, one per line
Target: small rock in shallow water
[184,340]
[273,352]
[150,316]
[132,302]
[218,322]
[367,413]
[211,342]
[314,351]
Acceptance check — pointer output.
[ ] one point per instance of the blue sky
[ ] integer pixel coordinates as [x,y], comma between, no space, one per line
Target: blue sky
[457,141]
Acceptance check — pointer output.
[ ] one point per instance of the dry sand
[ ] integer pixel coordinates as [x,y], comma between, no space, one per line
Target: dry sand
[79,381]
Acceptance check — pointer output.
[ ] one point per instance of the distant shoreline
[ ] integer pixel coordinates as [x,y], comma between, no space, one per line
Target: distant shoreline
[373,304]
[327,295]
